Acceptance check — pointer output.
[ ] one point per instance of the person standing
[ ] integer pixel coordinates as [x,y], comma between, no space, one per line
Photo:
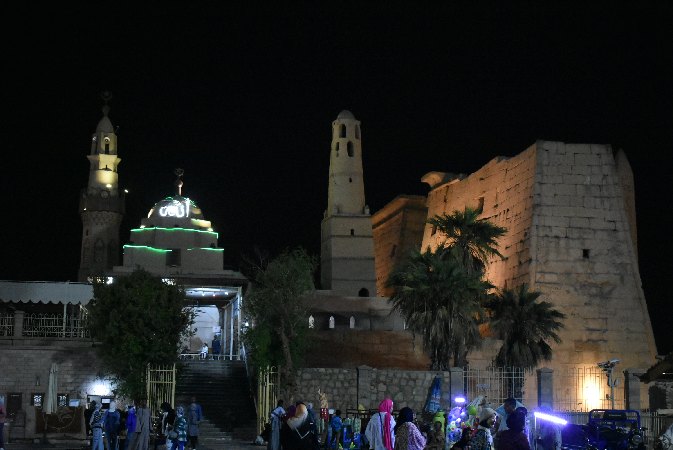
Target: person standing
[97,422]
[112,422]
[130,440]
[167,419]
[194,417]
[3,417]
[513,438]
[143,425]
[180,427]
[275,417]
[379,432]
[407,434]
[337,425]
[216,346]
[483,440]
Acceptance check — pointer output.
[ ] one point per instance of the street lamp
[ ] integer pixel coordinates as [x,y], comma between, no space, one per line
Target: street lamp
[607,367]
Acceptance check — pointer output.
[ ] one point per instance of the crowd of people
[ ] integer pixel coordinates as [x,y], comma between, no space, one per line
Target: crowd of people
[504,428]
[112,429]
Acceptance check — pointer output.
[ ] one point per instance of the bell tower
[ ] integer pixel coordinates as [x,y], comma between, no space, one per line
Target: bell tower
[347,245]
[101,205]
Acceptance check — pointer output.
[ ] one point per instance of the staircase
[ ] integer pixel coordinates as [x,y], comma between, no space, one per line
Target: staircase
[223,391]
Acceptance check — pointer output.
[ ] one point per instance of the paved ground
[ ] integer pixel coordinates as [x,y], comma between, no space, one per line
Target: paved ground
[225,445]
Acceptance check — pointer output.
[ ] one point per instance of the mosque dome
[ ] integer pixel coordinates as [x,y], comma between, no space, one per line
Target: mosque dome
[176,207]
[345,114]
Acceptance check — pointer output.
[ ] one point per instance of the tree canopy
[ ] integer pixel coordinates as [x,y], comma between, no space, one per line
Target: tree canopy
[138,320]
[440,301]
[526,325]
[276,306]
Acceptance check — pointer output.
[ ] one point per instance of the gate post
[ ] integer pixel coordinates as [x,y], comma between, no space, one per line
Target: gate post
[364,379]
[456,384]
[632,388]
[545,387]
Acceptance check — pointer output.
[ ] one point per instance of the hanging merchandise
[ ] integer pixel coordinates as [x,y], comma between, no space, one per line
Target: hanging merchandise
[435,396]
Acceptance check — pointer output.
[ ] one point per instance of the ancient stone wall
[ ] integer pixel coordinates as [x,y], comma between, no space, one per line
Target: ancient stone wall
[569,212]
[348,388]
[398,230]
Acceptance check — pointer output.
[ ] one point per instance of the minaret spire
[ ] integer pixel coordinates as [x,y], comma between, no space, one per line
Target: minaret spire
[101,204]
[178,182]
[347,245]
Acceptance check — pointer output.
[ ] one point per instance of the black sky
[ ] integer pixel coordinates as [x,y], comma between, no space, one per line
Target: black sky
[243,100]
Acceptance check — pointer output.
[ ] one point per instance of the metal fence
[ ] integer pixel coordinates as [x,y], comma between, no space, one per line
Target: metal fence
[55,325]
[585,388]
[160,386]
[6,324]
[267,394]
[496,384]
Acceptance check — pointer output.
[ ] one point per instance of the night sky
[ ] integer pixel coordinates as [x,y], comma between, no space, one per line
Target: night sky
[243,101]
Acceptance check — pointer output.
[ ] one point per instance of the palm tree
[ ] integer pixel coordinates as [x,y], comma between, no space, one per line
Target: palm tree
[525,324]
[472,240]
[440,301]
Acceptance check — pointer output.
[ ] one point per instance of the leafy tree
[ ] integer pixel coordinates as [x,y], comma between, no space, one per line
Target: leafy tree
[138,319]
[440,301]
[471,240]
[526,325]
[276,306]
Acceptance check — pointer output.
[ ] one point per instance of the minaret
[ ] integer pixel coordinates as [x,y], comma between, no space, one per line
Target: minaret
[347,246]
[101,205]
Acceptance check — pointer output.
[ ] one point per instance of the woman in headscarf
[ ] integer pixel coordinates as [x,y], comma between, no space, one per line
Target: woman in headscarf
[379,432]
[407,434]
[180,427]
[483,440]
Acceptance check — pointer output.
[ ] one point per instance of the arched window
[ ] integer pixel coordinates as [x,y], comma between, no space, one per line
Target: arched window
[342,130]
[351,322]
[364,292]
[352,231]
[311,322]
[351,152]
[331,322]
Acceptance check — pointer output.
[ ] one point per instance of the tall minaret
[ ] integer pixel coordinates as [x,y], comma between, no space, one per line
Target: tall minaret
[347,246]
[101,205]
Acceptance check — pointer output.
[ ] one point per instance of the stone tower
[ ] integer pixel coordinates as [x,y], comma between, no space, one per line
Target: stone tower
[101,205]
[347,247]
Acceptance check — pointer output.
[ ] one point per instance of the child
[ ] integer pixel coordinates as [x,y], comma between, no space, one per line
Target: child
[437,440]
[337,426]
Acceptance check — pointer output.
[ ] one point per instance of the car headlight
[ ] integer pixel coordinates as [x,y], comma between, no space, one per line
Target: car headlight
[636,439]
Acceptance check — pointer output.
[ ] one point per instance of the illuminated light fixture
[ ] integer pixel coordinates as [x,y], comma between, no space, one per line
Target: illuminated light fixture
[126,191]
[109,280]
[210,229]
[108,185]
[459,400]
[550,418]
[142,226]
[84,209]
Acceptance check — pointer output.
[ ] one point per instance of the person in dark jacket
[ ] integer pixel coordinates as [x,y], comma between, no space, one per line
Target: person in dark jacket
[513,438]
[298,431]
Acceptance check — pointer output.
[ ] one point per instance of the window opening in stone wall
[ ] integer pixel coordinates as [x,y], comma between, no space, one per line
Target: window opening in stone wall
[311,322]
[434,230]
[342,131]
[585,253]
[350,149]
[351,322]
[331,322]
[350,180]
[393,250]
[364,292]
[480,206]
[352,232]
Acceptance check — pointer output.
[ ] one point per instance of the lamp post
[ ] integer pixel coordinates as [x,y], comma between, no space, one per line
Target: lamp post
[608,367]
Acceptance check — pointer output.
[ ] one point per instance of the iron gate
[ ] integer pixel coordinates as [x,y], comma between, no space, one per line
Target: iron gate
[268,381]
[160,386]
